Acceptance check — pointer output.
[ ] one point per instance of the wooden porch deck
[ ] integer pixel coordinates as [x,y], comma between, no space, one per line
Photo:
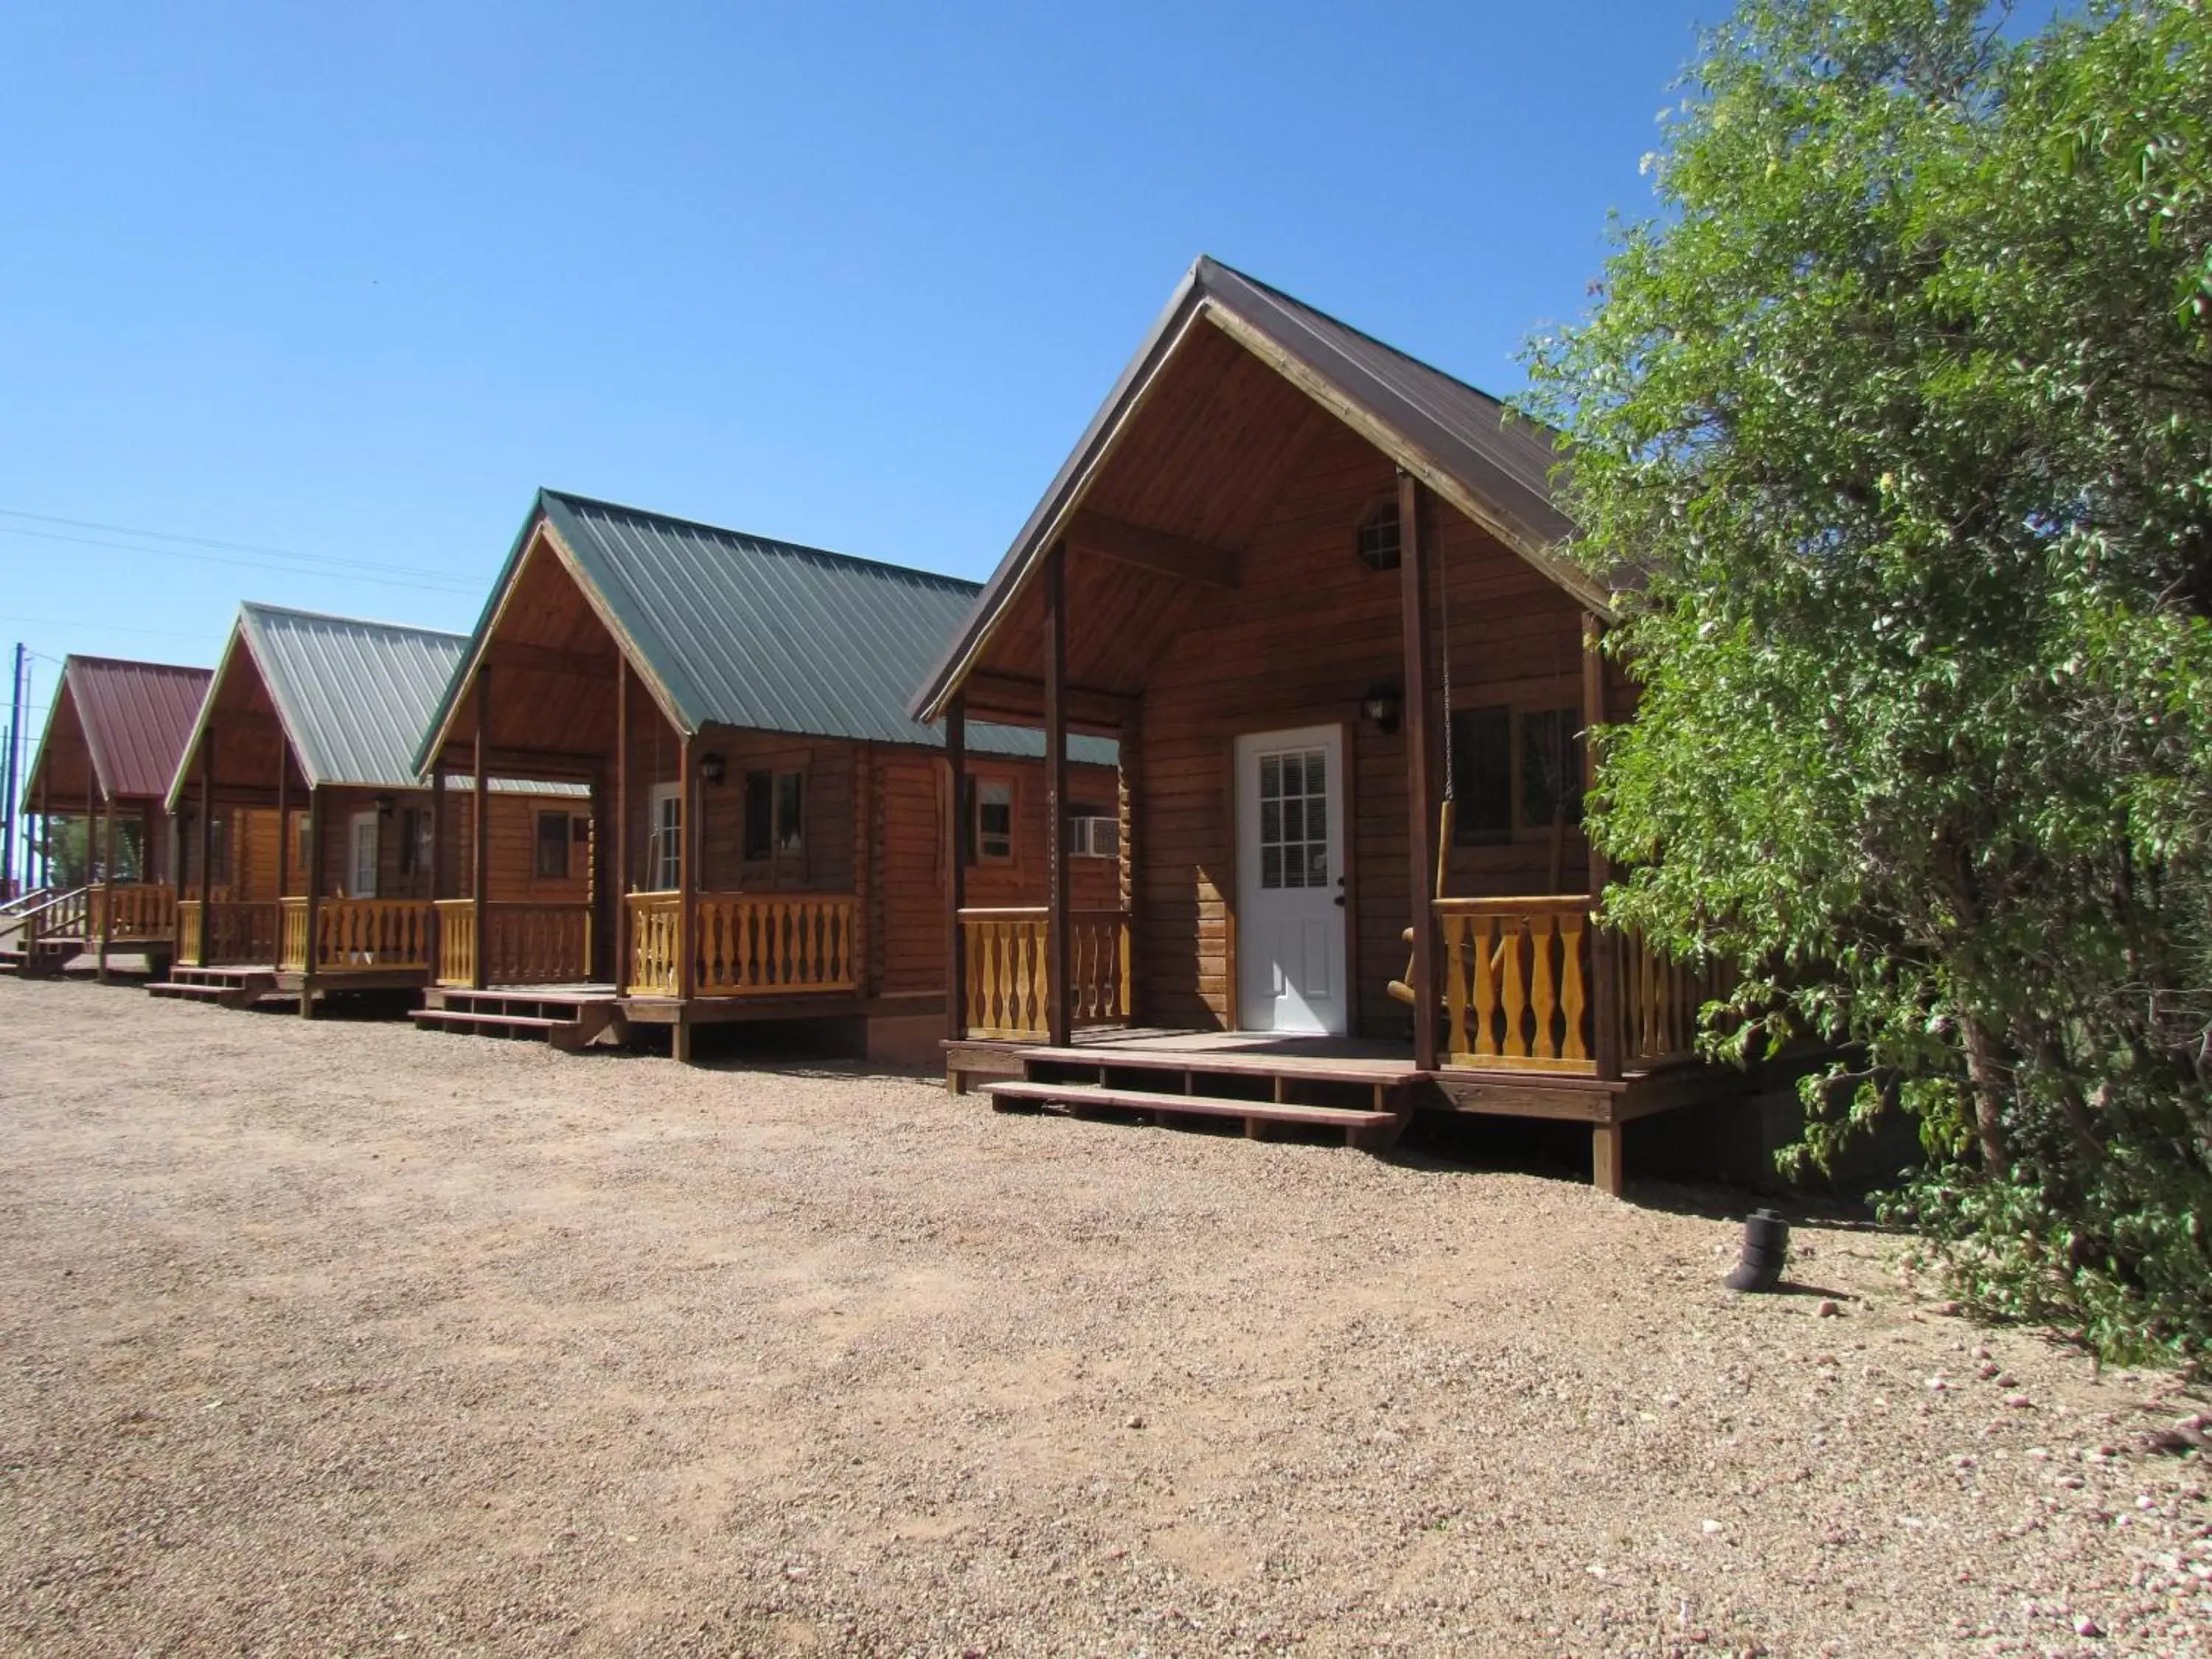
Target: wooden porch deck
[1266,1077]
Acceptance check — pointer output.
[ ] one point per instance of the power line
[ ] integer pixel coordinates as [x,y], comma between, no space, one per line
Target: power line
[455,585]
[217,543]
[112,627]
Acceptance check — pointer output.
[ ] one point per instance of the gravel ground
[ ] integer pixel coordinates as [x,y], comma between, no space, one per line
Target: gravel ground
[343,1337]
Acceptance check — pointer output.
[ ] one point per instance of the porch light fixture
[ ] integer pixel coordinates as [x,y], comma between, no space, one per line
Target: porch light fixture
[710,768]
[1380,708]
[385,803]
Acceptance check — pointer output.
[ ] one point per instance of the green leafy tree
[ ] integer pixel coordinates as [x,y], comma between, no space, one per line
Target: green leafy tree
[1902,415]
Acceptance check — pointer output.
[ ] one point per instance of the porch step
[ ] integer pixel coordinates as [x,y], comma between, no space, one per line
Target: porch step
[1361,1127]
[568,1023]
[1216,1062]
[221,987]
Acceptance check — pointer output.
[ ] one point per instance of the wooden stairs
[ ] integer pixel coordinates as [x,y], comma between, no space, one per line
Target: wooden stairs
[223,987]
[569,1020]
[1369,1103]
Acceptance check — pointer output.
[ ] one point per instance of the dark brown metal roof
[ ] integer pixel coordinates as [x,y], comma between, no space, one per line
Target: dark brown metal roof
[135,720]
[1463,443]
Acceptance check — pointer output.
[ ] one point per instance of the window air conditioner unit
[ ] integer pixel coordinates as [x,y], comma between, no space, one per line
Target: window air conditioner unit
[1094,838]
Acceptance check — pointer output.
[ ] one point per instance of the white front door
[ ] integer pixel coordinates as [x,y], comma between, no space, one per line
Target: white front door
[1290,882]
[361,860]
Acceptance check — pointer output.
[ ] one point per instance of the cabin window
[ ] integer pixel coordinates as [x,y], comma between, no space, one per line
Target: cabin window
[302,846]
[1482,775]
[776,815]
[1376,541]
[1551,767]
[218,849]
[1093,832]
[991,821]
[664,843]
[1514,769]
[553,840]
[414,840]
[363,852]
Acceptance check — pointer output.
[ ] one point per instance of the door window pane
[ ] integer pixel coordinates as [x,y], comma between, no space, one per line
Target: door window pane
[1294,819]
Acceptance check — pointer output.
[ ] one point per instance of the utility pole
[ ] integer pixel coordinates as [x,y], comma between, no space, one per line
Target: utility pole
[8,796]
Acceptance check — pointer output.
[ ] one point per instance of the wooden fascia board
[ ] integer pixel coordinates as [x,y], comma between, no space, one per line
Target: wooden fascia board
[1055,528]
[1395,444]
[64,697]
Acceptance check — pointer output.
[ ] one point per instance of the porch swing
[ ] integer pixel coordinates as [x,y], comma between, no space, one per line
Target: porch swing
[1447,809]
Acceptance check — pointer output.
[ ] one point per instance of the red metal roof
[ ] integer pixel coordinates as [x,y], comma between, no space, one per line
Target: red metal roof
[137,717]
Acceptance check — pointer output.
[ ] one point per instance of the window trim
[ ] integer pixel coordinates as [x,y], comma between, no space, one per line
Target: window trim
[538,817]
[671,857]
[1517,709]
[775,777]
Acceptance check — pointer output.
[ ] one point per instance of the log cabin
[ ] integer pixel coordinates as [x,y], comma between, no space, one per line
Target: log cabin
[1315,588]
[777,826]
[110,747]
[311,860]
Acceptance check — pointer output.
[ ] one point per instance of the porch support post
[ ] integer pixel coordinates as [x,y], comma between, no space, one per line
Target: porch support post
[1059,1021]
[955,867]
[598,916]
[108,891]
[1605,943]
[284,837]
[314,902]
[1129,777]
[621,883]
[480,823]
[438,864]
[687,899]
[207,847]
[1420,767]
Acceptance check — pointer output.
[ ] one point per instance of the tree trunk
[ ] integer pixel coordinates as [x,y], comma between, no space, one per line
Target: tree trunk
[1986,1071]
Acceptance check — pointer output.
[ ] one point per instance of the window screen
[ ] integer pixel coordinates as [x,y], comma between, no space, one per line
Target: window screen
[552,846]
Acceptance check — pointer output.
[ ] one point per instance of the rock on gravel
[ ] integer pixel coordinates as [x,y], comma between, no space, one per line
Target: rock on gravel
[347,1338]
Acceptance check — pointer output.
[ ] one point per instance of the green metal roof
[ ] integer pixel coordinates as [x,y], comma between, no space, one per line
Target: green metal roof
[742,630]
[354,697]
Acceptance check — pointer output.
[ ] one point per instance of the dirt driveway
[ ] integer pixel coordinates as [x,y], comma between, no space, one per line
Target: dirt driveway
[344,1338]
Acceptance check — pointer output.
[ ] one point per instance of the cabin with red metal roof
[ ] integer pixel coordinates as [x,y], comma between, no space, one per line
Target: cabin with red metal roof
[111,744]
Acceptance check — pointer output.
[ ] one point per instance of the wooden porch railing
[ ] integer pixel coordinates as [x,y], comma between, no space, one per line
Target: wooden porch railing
[1008,989]
[527,944]
[771,943]
[656,944]
[62,915]
[748,944]
[358,936]
[226,934]
[1517,976]
[142,910]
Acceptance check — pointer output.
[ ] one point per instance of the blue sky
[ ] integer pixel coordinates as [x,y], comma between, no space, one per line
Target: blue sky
[352,282]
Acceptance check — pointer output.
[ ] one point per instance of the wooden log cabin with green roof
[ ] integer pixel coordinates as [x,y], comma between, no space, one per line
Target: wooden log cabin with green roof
[777,826]
[1290,569]
[312,860]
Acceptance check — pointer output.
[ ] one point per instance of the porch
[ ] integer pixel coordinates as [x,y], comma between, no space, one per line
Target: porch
[47,928]
[1545,1014]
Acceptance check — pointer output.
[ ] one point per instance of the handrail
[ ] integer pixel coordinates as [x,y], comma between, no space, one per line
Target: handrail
[26,901]
[529,942]
[752,944]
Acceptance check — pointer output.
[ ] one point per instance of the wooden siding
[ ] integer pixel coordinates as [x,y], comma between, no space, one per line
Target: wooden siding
[1310,630]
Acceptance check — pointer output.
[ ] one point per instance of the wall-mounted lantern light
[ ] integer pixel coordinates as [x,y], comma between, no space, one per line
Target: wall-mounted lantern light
[1380,708]
[710,768]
